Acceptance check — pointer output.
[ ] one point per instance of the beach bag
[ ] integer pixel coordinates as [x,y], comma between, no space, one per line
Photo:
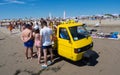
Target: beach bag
[114,34]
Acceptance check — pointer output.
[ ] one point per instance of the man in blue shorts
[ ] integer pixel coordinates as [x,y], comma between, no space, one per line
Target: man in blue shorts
[27,38]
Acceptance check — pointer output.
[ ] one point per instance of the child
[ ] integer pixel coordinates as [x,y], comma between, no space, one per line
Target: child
[37,43]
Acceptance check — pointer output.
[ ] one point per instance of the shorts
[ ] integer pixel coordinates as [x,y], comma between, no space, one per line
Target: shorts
[29,43]
[46,47]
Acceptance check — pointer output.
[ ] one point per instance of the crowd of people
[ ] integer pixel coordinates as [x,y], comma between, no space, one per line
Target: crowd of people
[40,36]
[20,24]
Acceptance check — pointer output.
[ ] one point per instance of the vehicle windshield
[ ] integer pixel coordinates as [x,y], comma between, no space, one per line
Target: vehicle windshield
[79,32]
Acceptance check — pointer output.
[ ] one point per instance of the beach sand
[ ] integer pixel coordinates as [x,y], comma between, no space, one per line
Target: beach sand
[13,62]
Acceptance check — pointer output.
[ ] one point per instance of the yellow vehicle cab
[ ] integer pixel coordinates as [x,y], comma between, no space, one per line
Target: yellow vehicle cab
[73,40]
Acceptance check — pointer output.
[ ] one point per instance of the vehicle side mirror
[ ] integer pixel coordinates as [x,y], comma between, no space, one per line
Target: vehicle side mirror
[84,25]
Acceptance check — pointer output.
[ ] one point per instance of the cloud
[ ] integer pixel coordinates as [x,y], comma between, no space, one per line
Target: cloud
[12,2]
[16,1]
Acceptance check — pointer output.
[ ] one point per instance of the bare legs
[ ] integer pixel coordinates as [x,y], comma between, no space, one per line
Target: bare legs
[45,55]
[31,52]
[39,54]
[26,53]
[51,54]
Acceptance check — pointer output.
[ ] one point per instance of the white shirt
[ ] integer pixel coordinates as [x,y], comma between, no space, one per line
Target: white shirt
[46,32]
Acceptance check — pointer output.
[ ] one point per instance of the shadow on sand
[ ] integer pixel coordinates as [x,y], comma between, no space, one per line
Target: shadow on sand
[2,38]
[89,59]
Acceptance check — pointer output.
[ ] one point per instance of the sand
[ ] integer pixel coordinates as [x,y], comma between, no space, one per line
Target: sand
[13,62]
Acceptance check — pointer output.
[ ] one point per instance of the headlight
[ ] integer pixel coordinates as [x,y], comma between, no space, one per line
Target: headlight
[77,50]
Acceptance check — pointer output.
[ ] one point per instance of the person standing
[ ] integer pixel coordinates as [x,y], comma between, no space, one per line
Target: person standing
[27,38]
[10,27]
[46,42]
[37,42]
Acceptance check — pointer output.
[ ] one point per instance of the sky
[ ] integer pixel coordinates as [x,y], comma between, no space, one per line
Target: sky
[41,8]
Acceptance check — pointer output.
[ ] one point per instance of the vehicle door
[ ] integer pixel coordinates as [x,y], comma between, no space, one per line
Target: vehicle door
[64,44]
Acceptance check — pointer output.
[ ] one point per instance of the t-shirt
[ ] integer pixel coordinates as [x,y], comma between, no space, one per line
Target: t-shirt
[46,33]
